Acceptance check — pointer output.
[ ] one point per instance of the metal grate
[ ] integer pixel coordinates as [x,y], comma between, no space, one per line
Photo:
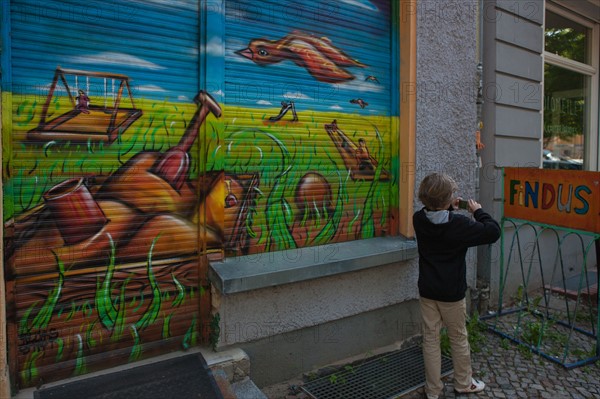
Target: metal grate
[383,377]
[185,376]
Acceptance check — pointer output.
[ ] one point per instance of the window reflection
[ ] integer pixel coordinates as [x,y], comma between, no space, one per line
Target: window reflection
[567,38]
[565,98]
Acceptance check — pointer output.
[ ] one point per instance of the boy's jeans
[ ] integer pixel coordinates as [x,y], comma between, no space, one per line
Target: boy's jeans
[453,316]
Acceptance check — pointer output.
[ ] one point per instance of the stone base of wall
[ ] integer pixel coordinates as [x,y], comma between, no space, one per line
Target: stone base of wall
[285,356]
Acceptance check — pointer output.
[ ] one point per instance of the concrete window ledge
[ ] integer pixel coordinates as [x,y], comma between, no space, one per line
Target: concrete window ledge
[252,272]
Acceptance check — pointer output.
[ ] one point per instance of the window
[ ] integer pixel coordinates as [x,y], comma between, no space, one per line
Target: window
[570,92]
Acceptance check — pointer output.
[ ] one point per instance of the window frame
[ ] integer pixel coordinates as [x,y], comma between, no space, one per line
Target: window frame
[592,136]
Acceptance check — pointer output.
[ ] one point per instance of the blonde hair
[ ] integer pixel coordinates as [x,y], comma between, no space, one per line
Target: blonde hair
[436,191]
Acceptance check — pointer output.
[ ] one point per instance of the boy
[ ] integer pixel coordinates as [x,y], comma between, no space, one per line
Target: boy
[443,238]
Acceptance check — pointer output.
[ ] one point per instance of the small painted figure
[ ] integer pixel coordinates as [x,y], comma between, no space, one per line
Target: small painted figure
[83,102]
[360,102]
[230,200]
[362,156]
[285,107]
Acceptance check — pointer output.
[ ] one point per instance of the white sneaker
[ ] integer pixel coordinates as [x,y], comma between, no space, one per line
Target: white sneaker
[476,386]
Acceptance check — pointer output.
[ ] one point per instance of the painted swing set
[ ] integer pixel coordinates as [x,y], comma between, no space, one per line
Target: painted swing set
[86,120]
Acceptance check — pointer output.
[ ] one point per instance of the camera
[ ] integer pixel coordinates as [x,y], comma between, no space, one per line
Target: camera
[462,204]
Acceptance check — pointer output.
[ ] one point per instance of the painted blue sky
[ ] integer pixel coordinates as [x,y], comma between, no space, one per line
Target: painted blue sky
[156,44]
[359,28]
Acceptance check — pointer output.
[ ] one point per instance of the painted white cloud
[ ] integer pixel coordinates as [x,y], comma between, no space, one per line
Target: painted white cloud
[214,47]
[189,4]
[263,102]
[362,85]
[336,108]
[113,58]
[366,4]
[215,7]
[218,95]
[150,89]
[237,13]
[58,88]
[296,96]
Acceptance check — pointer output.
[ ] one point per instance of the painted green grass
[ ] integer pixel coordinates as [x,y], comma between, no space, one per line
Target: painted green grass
[32,168]
[239,143]
[281,153]
[108,312]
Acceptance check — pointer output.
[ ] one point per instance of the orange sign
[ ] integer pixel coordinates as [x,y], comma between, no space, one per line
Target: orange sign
[566,198]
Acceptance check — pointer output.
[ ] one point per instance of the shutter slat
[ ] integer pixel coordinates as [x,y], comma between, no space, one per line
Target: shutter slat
[284,152]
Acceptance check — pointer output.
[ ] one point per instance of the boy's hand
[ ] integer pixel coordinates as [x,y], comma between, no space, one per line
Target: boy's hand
[473,206]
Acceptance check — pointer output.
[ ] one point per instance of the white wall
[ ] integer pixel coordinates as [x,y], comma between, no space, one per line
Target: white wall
[512,89]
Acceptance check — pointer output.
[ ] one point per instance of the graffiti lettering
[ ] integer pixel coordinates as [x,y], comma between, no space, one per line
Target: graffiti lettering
[37,340]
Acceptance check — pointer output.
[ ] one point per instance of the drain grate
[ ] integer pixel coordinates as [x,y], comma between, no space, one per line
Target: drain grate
[383,377]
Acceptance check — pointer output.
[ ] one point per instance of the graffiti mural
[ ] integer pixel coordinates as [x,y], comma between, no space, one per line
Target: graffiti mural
[109,210]
[309,109]
[111,261]
[127,168]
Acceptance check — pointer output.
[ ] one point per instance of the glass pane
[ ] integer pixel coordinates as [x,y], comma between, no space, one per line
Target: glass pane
[567,38]
[565,103]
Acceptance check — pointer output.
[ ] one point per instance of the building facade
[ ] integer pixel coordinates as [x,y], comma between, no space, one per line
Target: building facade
[540,109]
[242,173]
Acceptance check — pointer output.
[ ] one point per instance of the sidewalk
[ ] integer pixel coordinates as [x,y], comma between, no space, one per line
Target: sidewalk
[508,371]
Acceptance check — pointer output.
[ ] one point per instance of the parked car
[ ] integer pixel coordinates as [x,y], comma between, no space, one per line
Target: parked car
[552,161]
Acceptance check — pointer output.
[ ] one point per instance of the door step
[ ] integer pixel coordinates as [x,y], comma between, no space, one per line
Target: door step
[227,377]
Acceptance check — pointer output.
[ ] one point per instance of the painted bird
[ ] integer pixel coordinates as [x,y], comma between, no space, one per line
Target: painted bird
[360,102]
[372,78]
[318,56]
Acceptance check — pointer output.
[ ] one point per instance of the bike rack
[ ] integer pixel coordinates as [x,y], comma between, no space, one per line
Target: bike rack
[559,328]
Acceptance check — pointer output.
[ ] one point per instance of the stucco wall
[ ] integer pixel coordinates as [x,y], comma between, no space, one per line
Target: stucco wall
[253,315]
[447,91]
[294,328]
[447,94]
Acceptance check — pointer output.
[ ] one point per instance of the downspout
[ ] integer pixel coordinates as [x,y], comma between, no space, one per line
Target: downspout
[481,294]
[479,74]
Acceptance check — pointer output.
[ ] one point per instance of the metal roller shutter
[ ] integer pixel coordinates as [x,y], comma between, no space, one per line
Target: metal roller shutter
[103,225]
[308,85]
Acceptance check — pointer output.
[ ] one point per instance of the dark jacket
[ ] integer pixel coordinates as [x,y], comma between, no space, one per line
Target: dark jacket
[442,251]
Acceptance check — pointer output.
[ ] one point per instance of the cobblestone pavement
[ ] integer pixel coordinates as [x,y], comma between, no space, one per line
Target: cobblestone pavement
[509,372]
